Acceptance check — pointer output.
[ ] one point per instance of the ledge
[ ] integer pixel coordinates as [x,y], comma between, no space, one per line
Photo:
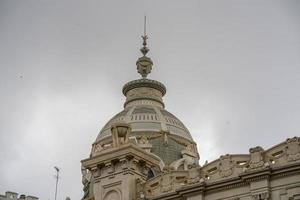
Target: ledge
[144,83]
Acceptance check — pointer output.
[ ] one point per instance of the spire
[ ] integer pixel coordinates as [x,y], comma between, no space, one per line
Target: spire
[144,63]
[144,49]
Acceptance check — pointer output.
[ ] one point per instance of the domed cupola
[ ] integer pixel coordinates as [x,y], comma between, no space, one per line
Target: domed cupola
[144,110]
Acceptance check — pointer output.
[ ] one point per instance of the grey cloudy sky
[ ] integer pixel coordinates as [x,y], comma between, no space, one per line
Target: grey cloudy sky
[232,70]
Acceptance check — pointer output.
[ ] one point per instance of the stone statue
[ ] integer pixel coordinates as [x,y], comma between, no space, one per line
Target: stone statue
[86,179]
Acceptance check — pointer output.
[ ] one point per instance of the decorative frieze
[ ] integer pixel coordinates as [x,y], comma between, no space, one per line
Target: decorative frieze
[144,93]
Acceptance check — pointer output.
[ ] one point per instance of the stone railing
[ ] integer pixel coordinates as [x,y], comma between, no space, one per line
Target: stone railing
[166,182]
[227,168]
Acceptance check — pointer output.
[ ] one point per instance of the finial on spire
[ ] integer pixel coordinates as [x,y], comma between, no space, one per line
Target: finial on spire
[145,25]
[144,64]
[144,49]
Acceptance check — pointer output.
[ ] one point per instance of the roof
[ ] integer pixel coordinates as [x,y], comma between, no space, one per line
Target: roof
[147,118]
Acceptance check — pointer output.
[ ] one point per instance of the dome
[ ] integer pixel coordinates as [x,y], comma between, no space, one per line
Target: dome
[144,110]
[151,124]
[147,118]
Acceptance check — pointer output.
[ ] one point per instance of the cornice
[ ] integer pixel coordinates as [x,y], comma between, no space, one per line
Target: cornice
[256,175]
[286,170]
[120,152]
[144,83]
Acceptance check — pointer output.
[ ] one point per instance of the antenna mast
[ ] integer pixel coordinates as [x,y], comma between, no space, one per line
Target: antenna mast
[57,177]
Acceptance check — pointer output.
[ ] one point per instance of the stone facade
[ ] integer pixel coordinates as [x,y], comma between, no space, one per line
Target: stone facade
[145,152]
[261,174]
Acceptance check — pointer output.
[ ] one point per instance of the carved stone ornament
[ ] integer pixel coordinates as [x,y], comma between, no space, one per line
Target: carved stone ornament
[110,168]
[293,149]
[139,188]
[256,157]
[225,166]
[120,133]
[95,171]
[194,175]
[166,183]
[144,66]
[96,148]
[191,148]
[165,135]
[124,164]
[134,164]
[144,140]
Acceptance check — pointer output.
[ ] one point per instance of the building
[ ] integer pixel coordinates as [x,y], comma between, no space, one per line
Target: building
[14,196]
[145,152]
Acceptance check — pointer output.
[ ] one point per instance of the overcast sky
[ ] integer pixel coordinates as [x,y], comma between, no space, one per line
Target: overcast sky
[232,71]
